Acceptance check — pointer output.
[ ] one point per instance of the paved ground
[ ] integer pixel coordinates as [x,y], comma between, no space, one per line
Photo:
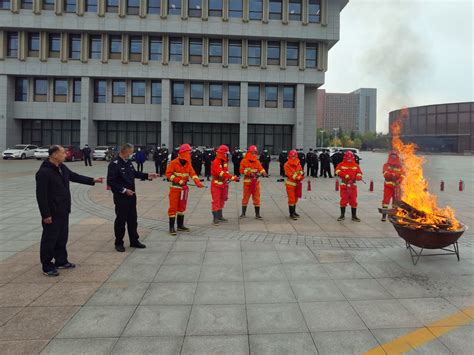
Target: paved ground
[270,287]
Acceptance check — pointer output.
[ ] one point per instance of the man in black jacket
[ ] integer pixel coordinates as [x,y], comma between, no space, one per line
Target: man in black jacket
[265,159]
[86,154]
[237,157]
[121,177]
[282,158]
[54,202]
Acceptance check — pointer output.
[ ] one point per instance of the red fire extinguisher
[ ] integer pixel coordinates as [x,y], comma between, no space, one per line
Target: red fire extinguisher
[461,185]
[371,186]
[441,185]
[337,184]
[309,185]
[184,198]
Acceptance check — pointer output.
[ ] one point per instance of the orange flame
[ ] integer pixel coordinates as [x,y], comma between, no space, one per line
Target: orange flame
[414,187]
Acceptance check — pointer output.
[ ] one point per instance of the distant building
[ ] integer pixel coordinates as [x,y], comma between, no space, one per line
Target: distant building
[355,111]
[439,128]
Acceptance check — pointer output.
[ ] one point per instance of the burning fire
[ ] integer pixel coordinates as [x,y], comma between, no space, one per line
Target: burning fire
[414,187]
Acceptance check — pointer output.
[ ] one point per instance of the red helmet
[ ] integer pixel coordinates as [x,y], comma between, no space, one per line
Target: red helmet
[349,156]
[184,148]
[223,149]
[393,158]
[253,149]
[293,154]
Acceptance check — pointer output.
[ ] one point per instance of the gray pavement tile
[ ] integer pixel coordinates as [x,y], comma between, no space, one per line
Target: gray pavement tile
[220,292]
[134,273]
[268,292]
[251,258]
[460,341]
[97,322]
[254,246]
[148,345]
[264,273]
[333,256]
[331,316]
[184,258]
[344,342]
[154,246]
[223,245]
[305,272]
[368,256]
[385,314]
[362,289]
[221,273]
[158,321]
[297,256]
[16,245]
[216,345]
[217,320]
[461,302]
[80,346]
[314,291]
[429,310]
[194,246]
[409,287]
[346,271]
[223,258]
[118,294]
[275,318]
[281,344]
[148,258]
[171,293]
[178,273]
[385,269]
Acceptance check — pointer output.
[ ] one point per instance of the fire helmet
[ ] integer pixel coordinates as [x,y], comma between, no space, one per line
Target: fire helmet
[349,156]
[184,148]
[223,149]
[252,149]
[293,154]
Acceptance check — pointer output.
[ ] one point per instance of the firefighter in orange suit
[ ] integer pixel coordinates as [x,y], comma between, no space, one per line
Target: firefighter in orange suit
[349,172]
[219,183]
[251,168]
[393,175]
[295,175]
[178,173]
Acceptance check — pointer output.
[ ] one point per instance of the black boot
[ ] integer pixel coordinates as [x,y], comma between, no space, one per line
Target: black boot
[221,218]
[292,213]
[257,213]
[244,210]
[354,215]
[215,220]
[384,217]
[343,212]
[172,230]
[181,227]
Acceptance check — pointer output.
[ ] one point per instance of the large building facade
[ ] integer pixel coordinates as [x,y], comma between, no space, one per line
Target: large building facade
[153,72]
[355,111]
[439,128]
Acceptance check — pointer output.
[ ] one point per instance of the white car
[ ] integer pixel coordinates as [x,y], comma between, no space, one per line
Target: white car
[42,152]
[100,152]
[20,151]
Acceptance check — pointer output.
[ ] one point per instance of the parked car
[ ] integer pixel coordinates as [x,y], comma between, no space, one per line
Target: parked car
[20,151]
[101,152]
[42,152]
[73,153]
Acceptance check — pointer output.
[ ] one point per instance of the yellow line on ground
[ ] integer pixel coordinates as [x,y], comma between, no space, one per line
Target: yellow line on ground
[421,336]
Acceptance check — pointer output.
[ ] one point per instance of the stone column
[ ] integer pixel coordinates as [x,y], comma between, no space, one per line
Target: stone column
[225,10]
[3,44]
[164,9]
[80,7]
[122,8]
[263,54]
[84,47]
[15,6]
[125,50]
[285,14]
[184,9]
[304,13]
[146,49]
[104,53]
[142,9]
[22,45]
[88,125]
[302,55]
[205,10]
[245,43]
[225,52]
[246,9]
[37,7]
[101,6]
[185,51]
[166,126]
[58,7]
[283,55]
[205,49]
[324,13]
[299,124]
[244,115]
[43,50]
[64,50]
[165,50]
[265,10]
[10,129]
[322,57]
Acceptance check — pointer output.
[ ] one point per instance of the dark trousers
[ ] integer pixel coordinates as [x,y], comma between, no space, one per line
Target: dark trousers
[308,170]
[53,243]
[314,171]
[162,170]
[157,167]
[197,168]
[282,170]
[126,213]
[237,169]
[87,160]
[207,168]
[266,166]
[139,166]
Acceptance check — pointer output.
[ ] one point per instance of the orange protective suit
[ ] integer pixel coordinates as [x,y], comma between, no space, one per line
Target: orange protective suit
[393,175]
[294,173]
[250,167]
[349,172]
[219,182]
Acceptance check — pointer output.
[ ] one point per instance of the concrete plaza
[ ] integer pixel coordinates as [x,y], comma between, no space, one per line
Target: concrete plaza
[262,287]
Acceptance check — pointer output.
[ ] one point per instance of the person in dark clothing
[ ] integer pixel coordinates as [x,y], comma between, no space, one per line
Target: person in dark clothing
[121,177]
[325,164]
[337,158]
[140,159]
[282,158]
[302,158]
[164,162]
[157,159]
[196,160]
[265,159]
[209,156]
[174,153]
[86,155]
[237,157]
[309,162]
[54,202]
[315,167]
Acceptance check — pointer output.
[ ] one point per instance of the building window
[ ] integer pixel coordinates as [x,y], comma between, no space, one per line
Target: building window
[289,97]
[48,5]
[155,49]
[275,9]
[69,5]
[254,96]
[12,44]
[115,47]
[156,92]
[33,44]
[215,94]
[215,51]
[47,132]
[100,91]
[41,90]
[235,8]
[235,52]
[177,93]
[27,4]
[255,9]
[132,7]
[195,51]
[194,8]
[117,132]
[153,6]
[174,7]
[75,47]
[76,90]
[135,48]
[138,92]
[4,4]
[54,45]
[118,91]
[311,55]
[314,10]
[233,95]
[197,94]
[273,55]
[60,90]
[275,138]
[111,6]
[295,10]
[292,53]
[255,51]
[91,5]
[271,96]
[215,8]
[21,89]
[176,49]
[95,47]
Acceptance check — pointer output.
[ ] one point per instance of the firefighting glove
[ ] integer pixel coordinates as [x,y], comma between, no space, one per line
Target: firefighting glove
[198,183]
[180,182]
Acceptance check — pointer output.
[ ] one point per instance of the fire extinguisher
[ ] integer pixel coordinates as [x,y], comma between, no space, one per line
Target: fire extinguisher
[299,189]
[309,185]
[441,186]
[337,184]
[461,185]
[183,198]
[371,186]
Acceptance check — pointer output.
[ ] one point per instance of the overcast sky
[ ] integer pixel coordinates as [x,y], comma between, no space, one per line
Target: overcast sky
[415,52]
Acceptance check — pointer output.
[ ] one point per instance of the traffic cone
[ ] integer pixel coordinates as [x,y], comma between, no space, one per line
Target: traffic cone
[461,185]
[441,186]
[337,184]
[371,186]
[309,185]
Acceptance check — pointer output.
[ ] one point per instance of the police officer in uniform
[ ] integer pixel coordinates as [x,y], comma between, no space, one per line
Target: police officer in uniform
[164,162]
[265,159]
[237,157]
[302,158]
[209,156]
[282,158]
[157,159]
[86,155]
[121,177]
[174,153]
[337,158]
[196,160]
[309,162]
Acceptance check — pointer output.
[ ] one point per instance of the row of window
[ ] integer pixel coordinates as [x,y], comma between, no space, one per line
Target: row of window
[63,89]
[139,91]
[155,49]
[215,8]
